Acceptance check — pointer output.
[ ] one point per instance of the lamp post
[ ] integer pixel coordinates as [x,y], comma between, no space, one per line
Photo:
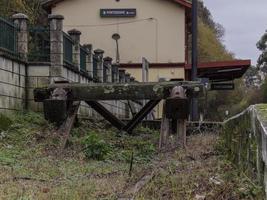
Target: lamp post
[194,102]
[116,37]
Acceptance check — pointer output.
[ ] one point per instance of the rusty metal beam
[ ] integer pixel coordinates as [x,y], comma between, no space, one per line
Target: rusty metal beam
[127,91]
[141,115]
[100,109]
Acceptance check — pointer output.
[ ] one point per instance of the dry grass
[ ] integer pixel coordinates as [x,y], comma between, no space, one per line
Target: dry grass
[200,173]
[31,168]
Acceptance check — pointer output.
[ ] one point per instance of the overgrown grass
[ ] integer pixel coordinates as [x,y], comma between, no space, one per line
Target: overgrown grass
[32,167]
[201,172]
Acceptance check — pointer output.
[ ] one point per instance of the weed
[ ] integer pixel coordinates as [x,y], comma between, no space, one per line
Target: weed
[95,147]
[5,122]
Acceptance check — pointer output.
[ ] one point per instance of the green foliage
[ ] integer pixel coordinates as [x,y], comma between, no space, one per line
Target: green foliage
[95,147]
[261,45]
[263,91]
[210,46]
[32,8]
[5,122]
[144,130]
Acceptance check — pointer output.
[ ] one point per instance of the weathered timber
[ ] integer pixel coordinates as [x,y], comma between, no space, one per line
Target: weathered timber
[164,129]
[106,114]
[125,91]
[66,127]
[181,132]
[141,115]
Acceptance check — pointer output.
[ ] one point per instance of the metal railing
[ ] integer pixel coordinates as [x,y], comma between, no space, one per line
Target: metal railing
[68,49]
[8,37]
[39,44]
[83,55]
[95,67]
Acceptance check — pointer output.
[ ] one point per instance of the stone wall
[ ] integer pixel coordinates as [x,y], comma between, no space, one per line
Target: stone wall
[37,76]
[19,77]
[12,84]
[245,139]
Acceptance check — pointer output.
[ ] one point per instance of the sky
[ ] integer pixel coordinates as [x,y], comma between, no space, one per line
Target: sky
[245,21]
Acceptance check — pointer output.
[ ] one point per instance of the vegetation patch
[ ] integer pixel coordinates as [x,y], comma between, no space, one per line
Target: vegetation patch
[95,147]
[97,164]
[5,122]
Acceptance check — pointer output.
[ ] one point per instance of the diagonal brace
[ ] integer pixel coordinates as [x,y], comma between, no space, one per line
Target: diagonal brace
[141,115]
[106,114]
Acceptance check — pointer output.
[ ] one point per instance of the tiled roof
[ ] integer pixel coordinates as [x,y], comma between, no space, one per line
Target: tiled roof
[49,3]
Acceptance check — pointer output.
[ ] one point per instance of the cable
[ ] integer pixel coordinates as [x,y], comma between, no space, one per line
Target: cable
[110,24]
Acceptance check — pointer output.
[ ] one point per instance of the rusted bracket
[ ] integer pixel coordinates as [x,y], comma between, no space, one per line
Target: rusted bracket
[118,123]
[141,115]
[100,109]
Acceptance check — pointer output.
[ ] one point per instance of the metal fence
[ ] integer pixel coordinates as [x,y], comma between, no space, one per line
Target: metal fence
[8,36]
[68,49]
[95,67]
[39,44]
[83,55]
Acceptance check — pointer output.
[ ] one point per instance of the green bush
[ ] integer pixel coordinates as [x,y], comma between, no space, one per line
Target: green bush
[5,122]
[95,147]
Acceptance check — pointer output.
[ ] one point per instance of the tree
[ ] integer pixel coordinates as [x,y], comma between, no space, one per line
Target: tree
[262,46]
[32,8]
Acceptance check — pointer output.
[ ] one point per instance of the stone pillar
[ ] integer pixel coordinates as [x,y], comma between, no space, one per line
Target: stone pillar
[115,73]
[108,62]
[89,59]
[75,36]
[127,78]
[56,47]
[21,21]
[122,75]
[99,55]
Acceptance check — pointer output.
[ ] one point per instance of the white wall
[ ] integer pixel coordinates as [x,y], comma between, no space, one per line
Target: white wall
[160,41]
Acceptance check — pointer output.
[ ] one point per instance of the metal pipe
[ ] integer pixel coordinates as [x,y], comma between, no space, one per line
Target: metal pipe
[194,40]
[194,102]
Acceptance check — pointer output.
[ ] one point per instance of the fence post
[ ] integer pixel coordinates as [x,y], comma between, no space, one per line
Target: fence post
[122,75]
[56,47]
[99,54]
[108,61]
[127,78]
[115,73]
[75,36]
[89,59]
[21,20]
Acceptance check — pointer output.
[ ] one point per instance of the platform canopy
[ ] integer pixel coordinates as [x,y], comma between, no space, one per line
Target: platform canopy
[221,70]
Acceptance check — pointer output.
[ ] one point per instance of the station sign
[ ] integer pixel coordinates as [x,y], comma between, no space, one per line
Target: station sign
[222,86]
[124,12]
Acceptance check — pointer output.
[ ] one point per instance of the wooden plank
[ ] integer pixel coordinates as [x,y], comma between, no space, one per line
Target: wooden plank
[165,128]
[126,91]
[65,129]
[181,133]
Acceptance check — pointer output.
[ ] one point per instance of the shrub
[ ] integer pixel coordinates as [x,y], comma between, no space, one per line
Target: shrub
[5,122]
[95,147]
